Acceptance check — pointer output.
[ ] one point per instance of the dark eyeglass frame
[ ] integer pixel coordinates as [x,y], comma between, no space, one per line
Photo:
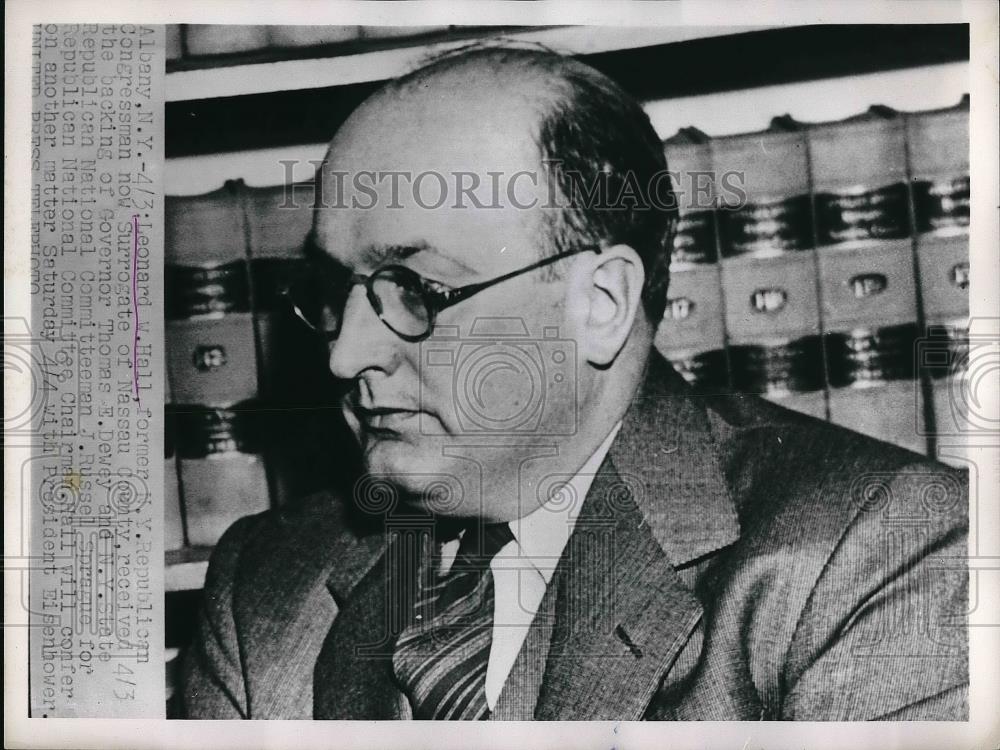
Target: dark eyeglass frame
[436,296]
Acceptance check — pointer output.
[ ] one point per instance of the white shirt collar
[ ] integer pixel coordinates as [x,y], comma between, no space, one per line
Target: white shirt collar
[543,533]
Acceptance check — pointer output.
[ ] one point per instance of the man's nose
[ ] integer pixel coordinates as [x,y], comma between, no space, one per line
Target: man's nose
[364,343]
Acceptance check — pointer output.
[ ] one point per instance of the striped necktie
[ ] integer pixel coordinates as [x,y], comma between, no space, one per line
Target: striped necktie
[441,657]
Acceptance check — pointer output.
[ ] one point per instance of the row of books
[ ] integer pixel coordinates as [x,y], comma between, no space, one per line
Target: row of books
[811,259]
[185,41]
[247,386]
[845,246]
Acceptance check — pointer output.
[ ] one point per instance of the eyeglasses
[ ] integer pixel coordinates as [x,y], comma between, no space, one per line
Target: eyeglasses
[406,302]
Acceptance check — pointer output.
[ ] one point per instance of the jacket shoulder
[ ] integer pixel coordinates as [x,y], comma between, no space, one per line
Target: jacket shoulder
[774,458]
[835,526]
[276,582]
[318,535]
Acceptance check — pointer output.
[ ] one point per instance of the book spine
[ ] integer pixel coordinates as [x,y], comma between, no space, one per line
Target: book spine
[222,467]
[692,333]
[867,282]
[278,222]
[212,361]
[939,172]
[769,268]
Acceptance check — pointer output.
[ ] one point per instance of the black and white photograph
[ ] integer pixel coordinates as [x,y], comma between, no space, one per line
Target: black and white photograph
[604,422]
[520,368]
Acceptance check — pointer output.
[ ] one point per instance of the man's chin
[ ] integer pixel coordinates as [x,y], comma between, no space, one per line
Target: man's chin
[406,464]
[420,475]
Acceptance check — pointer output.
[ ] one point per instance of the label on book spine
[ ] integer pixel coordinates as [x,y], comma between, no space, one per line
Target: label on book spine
[766,227]
[778,366]
[868,356]
[694,240]
[942,206]
[858,215]
[207,290]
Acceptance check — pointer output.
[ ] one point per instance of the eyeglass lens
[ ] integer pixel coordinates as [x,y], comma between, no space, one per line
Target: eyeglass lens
[399,300]
[396,296]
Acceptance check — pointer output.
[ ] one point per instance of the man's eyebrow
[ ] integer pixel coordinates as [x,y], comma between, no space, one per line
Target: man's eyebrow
[379,254]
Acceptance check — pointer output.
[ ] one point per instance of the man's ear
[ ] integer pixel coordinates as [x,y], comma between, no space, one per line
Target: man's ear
[604,297]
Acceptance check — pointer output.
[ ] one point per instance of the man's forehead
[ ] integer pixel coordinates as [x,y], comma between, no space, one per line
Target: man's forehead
[465,127]
[475,238]
[394,174]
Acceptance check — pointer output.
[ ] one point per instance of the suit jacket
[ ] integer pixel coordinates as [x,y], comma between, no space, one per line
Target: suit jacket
[732,561]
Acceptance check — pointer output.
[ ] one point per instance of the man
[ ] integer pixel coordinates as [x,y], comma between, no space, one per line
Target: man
[550,524]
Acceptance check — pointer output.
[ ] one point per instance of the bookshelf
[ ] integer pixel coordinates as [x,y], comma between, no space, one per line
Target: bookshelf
[366,60]
[287,108]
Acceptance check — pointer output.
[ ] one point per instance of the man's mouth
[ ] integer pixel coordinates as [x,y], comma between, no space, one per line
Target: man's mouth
[384,421]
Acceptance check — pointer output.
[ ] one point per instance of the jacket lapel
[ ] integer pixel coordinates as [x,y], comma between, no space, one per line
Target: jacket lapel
[669,456]
[353,675]
[283,623]
[622,612]
[520,692]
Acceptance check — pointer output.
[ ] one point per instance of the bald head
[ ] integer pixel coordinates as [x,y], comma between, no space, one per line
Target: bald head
[500,127]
